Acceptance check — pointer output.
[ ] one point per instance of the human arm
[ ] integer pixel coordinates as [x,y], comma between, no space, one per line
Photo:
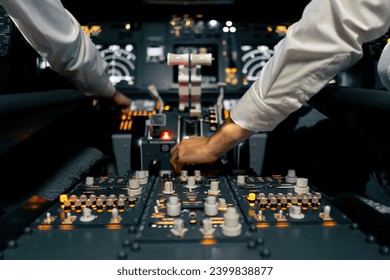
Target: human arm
[384,67]
[327,40]
[119,100]
[57,36]
[196,149]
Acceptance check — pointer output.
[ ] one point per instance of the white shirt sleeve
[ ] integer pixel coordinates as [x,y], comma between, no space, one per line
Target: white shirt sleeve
[57,36]
[327,39]
[384,67]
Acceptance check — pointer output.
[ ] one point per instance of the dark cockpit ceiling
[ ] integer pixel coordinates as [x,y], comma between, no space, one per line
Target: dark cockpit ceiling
[243,10]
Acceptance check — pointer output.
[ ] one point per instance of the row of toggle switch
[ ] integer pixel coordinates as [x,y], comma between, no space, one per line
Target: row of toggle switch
[98,203]
[273,201]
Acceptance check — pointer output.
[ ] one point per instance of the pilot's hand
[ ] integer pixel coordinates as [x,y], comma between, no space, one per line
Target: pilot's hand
[121,101]
[194,150]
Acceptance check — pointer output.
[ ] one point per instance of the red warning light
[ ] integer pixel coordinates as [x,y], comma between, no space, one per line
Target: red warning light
[166,135]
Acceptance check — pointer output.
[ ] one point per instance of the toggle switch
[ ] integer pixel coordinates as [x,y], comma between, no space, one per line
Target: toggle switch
[263,203]
[77,205]
[178,228]
[207,228]
[283,203]
[121,205]
[69,219]
[49,219]
[259,216]
[280,217]
[325,215]
[132,199]
[314,203]
[110,205]
[115,217]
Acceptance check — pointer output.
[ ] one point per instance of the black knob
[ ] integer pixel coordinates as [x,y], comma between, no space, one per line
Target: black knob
[385,250]
[126,243]
[132,229]
[135,246]
[370,239]
[260,241]
[251,244]
[265,253]
[122,255]
[12,244]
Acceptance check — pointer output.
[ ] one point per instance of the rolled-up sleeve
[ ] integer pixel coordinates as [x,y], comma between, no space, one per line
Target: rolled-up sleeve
[57,36]
[327,39]
[384,67]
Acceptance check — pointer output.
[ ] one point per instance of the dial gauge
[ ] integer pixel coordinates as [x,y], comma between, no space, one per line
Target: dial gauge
[253,60]
[120,63]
